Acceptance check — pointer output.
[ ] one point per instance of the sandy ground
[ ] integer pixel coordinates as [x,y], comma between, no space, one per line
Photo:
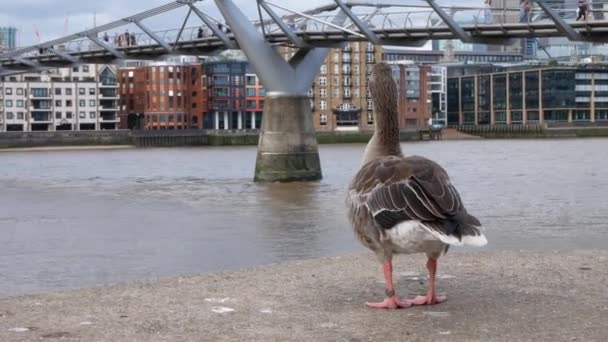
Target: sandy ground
[503,296]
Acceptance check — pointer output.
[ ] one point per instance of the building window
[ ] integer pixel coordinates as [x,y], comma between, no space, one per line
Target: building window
[19,103]
[370,117]
[91,91]
[19,91]
[57,103]
[323,81]
[82,103]
[323,105]
[68,103]
[251,92]
[336,69]
[323,93]
[58,115]
[57,91]
[9,91]
[370,104]
[20,116]
[347,93]
[85,68]
[9,103]
[323,119]
[370,58]
[336,92]
[68,91]
[9,116]
[68,115]
[323,69]
[92,115]
[91,103]
[82,115]
[81,91]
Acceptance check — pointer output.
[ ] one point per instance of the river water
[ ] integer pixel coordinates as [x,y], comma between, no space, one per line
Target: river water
[87,218]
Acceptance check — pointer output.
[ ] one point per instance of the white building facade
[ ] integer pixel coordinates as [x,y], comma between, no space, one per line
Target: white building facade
[84,97]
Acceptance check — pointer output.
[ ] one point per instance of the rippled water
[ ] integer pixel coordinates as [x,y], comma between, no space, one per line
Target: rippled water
[86,218]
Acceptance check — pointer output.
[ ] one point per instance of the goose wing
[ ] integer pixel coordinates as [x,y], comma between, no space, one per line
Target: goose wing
[396,189]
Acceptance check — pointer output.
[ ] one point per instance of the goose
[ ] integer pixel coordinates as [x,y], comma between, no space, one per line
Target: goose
[404,205]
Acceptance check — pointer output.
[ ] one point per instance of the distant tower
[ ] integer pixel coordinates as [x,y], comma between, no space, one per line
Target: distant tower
[8,37]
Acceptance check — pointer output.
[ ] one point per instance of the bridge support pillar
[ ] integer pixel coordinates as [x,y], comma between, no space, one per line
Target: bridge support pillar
[287,149]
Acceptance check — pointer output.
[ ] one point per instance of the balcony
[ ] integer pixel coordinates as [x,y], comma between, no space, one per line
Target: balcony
[41,118]
[347,115]
[106,82]
[41,96]
[109,94]
[39,109]
[109,118]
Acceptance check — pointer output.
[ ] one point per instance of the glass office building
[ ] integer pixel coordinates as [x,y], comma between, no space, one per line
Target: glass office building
[549,95]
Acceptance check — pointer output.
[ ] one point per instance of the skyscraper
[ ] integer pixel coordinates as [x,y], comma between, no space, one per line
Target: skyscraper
[8,38]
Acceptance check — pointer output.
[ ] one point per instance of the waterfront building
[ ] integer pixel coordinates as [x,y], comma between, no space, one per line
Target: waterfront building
[234,94]
[162,96]
[435,57]
[557,95]
[339,95]
[80,98]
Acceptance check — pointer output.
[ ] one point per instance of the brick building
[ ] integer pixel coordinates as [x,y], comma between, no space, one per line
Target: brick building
[162,96]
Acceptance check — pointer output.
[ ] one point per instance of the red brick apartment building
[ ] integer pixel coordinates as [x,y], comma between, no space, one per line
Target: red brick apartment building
[162,97]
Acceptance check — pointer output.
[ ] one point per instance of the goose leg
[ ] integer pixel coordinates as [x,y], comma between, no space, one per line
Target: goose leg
[431,297]
[391,301]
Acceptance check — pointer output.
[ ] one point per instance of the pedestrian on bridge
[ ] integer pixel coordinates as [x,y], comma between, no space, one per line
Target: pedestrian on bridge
[583,9]
[524,11]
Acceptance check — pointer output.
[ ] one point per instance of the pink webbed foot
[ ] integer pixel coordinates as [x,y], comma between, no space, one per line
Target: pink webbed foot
[390,303]
[428,299]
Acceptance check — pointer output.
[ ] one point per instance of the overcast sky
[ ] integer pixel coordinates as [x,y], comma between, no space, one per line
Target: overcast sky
[48,17]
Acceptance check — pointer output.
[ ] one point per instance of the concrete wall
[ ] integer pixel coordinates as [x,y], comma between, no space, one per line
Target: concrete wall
[64,138]
[167,138]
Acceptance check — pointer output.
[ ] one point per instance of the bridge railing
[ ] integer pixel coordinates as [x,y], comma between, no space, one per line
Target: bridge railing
[378,18]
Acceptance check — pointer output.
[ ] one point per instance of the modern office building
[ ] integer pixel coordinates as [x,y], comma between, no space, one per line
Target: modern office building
[435,57]
[8,38]
[235,98]
[80,98]
[531,95]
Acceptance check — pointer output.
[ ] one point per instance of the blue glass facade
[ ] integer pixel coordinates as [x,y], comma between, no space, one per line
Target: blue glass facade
[8,37]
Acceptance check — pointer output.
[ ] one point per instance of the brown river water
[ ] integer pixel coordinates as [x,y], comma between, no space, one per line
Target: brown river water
[73,219]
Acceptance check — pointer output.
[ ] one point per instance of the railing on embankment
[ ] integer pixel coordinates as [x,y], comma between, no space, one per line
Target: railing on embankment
[546,130]
[194,138]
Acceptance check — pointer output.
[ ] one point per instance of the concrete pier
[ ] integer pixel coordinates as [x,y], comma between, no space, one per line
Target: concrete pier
[502,296]
[287,149]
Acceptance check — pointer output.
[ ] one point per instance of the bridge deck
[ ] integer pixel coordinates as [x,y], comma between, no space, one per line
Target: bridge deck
[595,31]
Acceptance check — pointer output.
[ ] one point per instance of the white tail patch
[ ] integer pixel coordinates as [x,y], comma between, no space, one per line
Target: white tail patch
[470,240]
[477,240]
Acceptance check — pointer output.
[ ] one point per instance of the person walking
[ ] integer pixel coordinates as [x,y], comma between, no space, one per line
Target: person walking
[524,11]
[583,9]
